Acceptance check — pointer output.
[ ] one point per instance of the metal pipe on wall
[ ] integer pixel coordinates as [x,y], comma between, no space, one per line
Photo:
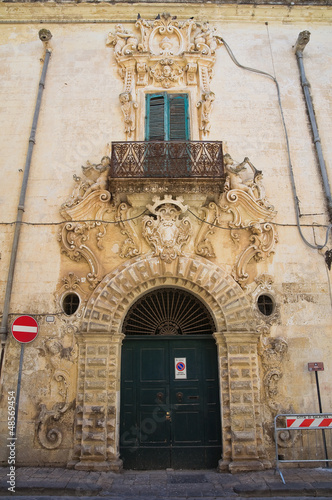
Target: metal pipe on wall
[44,36]
[300,45]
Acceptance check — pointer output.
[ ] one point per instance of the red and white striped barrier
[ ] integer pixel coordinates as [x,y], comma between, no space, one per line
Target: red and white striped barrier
[309,423]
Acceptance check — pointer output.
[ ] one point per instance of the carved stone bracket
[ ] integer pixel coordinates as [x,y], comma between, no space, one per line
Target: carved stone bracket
[167,53]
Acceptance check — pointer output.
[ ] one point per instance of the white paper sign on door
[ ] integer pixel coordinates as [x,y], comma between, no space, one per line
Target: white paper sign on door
[180,368]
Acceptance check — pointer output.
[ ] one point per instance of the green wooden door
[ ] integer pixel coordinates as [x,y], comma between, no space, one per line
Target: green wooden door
[169,417]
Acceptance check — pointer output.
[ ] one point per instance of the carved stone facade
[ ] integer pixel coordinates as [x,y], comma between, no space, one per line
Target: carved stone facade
[116,239]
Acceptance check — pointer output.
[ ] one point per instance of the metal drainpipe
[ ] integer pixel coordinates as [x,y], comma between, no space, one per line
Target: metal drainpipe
[44,36]
[301,43]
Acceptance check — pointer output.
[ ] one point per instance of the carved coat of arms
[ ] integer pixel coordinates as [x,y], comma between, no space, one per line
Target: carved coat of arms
[165,230]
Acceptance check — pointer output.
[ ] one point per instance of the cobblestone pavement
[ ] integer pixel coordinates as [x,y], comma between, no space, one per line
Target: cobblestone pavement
[41,483]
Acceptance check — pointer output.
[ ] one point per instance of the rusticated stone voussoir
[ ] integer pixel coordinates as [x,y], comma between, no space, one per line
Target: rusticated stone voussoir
[110,301]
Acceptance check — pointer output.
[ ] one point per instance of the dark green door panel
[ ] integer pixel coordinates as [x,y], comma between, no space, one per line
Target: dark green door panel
[167,421]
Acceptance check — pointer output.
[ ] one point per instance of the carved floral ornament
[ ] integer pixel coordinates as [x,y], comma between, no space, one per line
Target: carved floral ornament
[167,53]
[242,207]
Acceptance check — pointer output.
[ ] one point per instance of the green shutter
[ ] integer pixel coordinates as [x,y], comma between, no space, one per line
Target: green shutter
[155,130]
[178,117]
[167,117]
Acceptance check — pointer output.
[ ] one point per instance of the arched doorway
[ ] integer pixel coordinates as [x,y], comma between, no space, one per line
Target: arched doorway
[170,408]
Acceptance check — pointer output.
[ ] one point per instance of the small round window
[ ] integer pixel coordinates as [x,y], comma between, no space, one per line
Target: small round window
[265,305]
[70,303]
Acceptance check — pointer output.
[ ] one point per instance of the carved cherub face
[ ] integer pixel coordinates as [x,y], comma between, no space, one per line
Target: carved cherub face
[167,71]
[228,160]
[209,96]
[105,161]
[53,346]
[124,97]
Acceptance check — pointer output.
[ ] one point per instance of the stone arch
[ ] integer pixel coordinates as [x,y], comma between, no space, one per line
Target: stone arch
[110,301]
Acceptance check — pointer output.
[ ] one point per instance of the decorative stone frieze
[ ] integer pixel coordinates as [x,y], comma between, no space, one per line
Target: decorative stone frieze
[168,54]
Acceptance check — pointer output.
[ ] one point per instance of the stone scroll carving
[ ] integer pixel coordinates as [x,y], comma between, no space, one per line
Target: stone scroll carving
[48,426]
[166,231]
[245,201]
[166,53]
[209,216]
[272,352]
[132,244]
[244,209]
[85,210]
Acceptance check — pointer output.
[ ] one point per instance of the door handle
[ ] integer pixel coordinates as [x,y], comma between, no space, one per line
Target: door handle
[160,397]
[179,396]
[168,416]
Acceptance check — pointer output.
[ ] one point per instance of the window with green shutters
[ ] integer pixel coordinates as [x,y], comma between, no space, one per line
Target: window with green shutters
[167,117]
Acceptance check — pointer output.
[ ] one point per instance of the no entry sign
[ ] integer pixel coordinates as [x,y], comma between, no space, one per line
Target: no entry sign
[25,329]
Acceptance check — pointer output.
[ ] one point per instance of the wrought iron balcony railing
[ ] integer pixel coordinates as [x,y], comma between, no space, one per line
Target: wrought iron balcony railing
[174,159]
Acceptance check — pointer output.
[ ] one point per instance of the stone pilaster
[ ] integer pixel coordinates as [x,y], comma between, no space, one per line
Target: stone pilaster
[224,400]
[240,393]
[96,425]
